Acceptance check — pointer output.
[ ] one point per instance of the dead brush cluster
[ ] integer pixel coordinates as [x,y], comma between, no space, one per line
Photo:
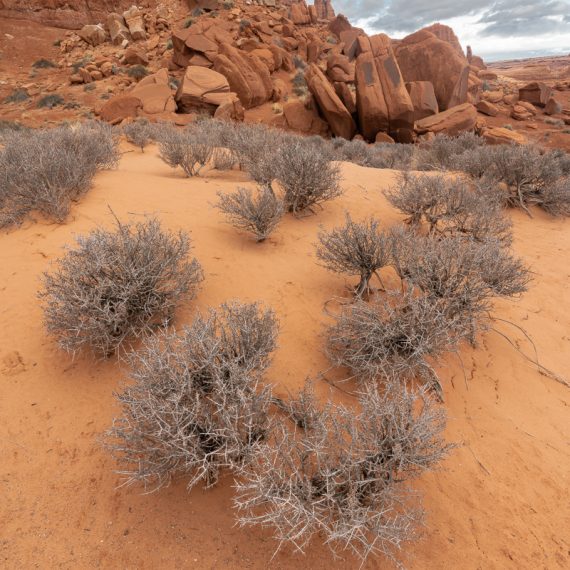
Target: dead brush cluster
[198,403]
[45,171]
[452,263]
[117,285]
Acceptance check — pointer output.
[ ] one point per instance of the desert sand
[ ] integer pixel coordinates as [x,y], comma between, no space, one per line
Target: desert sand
[499,501]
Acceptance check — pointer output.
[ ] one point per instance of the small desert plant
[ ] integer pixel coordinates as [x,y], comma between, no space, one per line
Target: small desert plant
[137,71]
[187,149]
[224,159]
[392,339]
[254,146]
[356,249]
[50,101]
[188,22]
[555,198]
[307,177]
[442,152]
[138,133]
[344,475]
[197,405]
[451,206]
[115,285]
[525,172]
[259,214]
[46,170]
[298,62]
[395,156]
[18,96]
[355,151]
[460,275]
[300,87]
[43,64]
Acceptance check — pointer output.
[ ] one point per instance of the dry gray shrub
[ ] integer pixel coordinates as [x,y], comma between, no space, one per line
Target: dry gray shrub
[46,170]
[256,146]
[139,133]
[307,176]
[451,207]
[460,275]
[555,198]
[117,285]
[355,151]
[344,476]
[197,405]
[394,156]
[355,249]
[190,149]
[392,338]
[443,151]
[259,214]
[527,175]
[224,159]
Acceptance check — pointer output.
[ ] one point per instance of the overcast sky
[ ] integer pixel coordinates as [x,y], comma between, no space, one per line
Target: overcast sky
[495,29]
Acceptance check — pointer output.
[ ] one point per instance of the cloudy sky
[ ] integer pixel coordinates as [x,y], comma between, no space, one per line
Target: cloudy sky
[496,29]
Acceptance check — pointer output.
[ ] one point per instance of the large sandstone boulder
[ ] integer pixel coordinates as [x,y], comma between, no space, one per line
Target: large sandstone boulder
[450,122]
[553,107]
[117,29]
[304,119]
[324,9]
[93,34]
[299,13]
[423,99]
[424,57]
[230,109]
[340,120]
[202,88]
[340,68]
[536,93]
[119,108]
[446,34]
[201,39]
[247,75]
[340,24]
[155,94]
[487,108]
[135,22]
[500,135]
[370,102]
[385,90]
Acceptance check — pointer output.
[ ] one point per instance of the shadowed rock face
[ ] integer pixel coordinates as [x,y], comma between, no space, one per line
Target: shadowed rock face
[68,14]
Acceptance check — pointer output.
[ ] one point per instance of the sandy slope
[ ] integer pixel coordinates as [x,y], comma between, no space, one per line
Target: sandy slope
[500,502]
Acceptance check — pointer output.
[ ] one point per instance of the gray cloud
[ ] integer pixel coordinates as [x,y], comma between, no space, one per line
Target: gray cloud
[526,18]
[505,18]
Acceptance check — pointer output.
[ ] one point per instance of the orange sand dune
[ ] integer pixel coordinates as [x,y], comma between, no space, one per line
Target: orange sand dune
[500,501]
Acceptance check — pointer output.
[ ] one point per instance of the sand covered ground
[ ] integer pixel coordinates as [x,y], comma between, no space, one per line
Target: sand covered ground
[500,501]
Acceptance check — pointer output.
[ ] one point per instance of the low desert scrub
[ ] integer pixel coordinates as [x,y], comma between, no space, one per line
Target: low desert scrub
[394,156]
[307,177]
[197,405]
[190,150]
[137,71]
[555,198]
[224,159]
[461,276]
[46,170]
[451,206]
[392,338]
[344,477]
[357,248]
[50,101]
[116,285]
[17,96]
[139,133]
[258,213]
[527,176]
[443,151]
[43,64]
[255,147]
